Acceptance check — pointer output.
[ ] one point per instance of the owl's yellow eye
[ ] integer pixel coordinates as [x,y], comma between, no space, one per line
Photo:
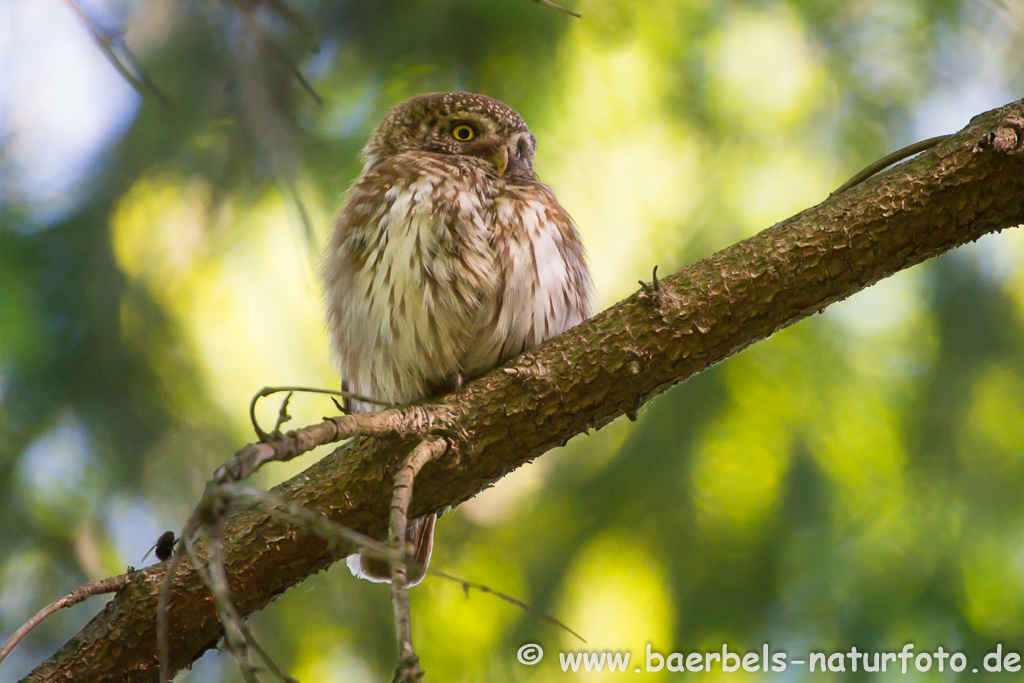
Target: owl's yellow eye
[463,132]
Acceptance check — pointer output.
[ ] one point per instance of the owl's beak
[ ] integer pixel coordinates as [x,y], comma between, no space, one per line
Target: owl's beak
[499,157]
[491,149]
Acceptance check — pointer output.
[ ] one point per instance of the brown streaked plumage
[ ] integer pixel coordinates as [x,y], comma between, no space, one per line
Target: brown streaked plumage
[448,259]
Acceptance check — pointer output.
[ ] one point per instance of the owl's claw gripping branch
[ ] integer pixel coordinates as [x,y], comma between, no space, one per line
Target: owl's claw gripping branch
[408,668]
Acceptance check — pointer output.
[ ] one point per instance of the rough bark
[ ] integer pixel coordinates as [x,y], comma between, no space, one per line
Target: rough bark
[969,185]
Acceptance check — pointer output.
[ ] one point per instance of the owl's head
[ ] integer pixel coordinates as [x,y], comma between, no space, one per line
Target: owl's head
[459,124]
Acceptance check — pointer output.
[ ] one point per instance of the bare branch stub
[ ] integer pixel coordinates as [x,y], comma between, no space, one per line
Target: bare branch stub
[282,416]
[653,290]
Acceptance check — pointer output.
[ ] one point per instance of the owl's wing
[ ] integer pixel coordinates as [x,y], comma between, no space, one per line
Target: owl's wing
[408,265]
[544,286]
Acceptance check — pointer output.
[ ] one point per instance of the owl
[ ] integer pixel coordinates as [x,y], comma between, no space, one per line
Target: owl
[447,259]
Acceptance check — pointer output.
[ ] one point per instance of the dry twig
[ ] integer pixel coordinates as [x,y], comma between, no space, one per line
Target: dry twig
[467,585]
[216,579]
[305,518]
[270,391]
[408,668]
[316,523]
[888,160]
[211,510]
[209,516]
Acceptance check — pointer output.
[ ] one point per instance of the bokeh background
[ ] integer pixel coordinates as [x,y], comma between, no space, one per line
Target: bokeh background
[855,480]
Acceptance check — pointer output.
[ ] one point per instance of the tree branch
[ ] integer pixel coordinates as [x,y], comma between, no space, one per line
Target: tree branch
[408,668]
[967,186]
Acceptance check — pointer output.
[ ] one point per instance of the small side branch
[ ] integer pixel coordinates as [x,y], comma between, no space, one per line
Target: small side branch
[397,422]
[529,609]
[270,391]
[212,509]
[108,585]
[315,522]
[408,668]
[217,581]
[304,518]
[888,160]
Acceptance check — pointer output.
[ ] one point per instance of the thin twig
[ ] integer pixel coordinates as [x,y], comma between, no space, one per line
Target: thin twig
[408,668]
[467,585]
[282,415]
[143,83]
[274,668]
[270,391]
[217,581]
[293,69]
[112,584]
[208,511]
[208,515]
[308,232]
[162,604]
[305,518]
[212,507]
[292,17]
[237,635]
[315,522]
[558,7]
[889,160]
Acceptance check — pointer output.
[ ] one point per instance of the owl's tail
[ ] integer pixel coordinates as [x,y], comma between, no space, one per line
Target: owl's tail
[419,533]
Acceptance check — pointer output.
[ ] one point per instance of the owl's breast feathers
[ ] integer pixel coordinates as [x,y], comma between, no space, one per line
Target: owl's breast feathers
[437,267]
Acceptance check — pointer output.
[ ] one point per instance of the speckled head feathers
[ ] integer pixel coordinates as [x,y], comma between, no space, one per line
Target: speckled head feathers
[426,122]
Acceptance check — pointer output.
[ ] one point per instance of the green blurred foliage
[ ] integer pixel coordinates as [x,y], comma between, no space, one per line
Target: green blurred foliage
[855,480]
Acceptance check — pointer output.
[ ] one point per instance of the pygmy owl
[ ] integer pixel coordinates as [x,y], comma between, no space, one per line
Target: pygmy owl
[447,259]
